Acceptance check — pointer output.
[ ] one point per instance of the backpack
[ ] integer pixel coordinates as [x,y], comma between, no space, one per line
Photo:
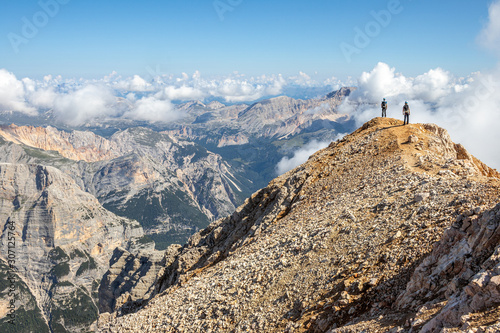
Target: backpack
[384,105]
[406,108]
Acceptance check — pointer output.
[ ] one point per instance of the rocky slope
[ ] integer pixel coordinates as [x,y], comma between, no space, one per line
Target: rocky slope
[60,239]
[393,228]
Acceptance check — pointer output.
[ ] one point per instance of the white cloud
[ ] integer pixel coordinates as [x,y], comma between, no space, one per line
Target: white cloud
[87,103]
[136,83]
[490,35]
[153,109]
[43,98]
[12,94]
[240,89]
[325,107]
[381,81]
[76,101]
[335,83]
[184,77]
[182,93]
[300,156]
[303,80]
[432,85]
[234,88]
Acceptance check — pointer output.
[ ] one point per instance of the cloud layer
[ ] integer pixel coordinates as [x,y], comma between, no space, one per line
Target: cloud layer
[77,102]
[300,156]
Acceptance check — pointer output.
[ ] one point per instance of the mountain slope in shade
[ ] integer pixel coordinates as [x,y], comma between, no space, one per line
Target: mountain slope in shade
[369,235]
[63,239]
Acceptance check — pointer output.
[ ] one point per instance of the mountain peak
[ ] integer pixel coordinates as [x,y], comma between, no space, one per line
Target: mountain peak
[214,105]
[425,148]
[341,93]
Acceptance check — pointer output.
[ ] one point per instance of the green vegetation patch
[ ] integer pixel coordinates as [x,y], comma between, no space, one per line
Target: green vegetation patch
[46,155]
[77,253]
[25,321]
[60,270]
[147,137]
[65,284]
[86,266]
[181,210]
[198,151]
[58,254]
[164,240]
[76,310]
[144,240]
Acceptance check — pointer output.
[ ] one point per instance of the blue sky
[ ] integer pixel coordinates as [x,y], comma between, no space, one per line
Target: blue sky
[91,39]
[92,60]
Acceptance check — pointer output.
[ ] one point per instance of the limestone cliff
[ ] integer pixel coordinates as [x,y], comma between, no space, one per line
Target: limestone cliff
[391,229]
[77,145]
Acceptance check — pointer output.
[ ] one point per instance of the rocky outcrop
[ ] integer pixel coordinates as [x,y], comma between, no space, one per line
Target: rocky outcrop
[461,275]
[334,245]
[62,239]
[215,105]
[166,183]
[129,281]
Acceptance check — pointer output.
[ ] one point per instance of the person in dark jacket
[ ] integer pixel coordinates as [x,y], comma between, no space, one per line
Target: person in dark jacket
[384,108]
[406,113]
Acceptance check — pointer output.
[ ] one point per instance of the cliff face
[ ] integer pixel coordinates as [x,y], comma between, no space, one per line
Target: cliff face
[393,228]
[63,239]
[77,145]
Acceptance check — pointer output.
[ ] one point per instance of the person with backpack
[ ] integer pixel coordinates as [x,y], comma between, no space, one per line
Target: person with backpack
[384,108]
[406,113]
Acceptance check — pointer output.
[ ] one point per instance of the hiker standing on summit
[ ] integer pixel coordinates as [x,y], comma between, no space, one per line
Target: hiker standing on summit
[384,108]
[406,113]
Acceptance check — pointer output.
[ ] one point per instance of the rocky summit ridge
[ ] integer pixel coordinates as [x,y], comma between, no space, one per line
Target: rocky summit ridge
[391,229]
